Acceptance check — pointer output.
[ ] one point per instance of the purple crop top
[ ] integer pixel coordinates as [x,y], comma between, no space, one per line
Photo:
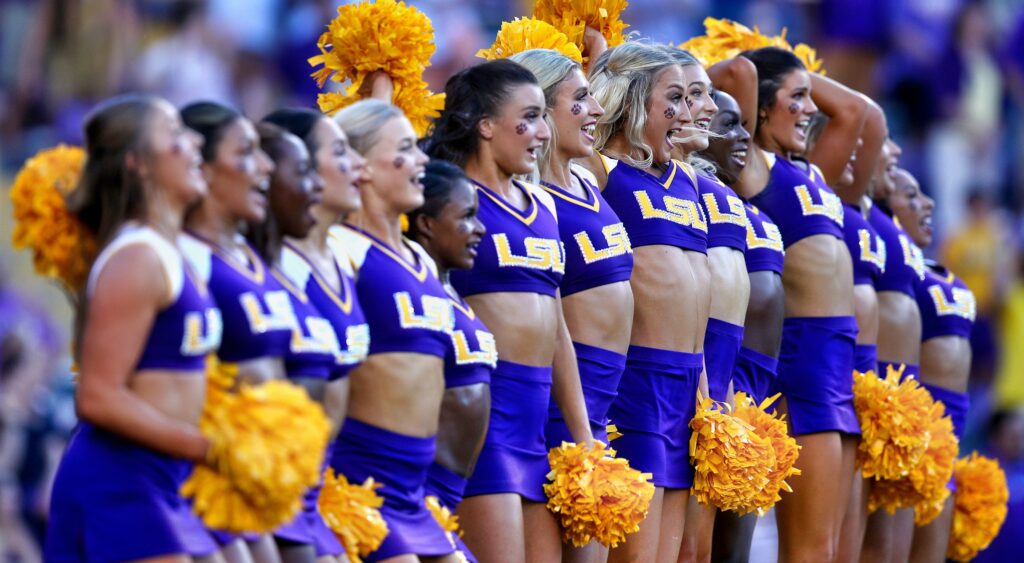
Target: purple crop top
[340,309]
[313,343]
[405,305]
[866,248]
[727,218]
[904,261]
[765,251]
[597,246]
[474,351]
[799,202]
[947,307]
[522,250]
[190,327]
[257,310]
[655,210]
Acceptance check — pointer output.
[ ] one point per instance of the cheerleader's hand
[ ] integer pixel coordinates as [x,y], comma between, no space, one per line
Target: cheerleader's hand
[378,85]
[594,43]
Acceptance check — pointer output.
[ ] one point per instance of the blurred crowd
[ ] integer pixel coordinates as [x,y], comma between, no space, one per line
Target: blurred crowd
[949,73]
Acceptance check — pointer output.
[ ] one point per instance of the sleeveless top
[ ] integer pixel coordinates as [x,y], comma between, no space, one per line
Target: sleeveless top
[311,351]
[866,248]
[340,309]
[765,251]
[521,251]
[598,251]
[947,306]
[257,310]
[474,353]
[655,210]
[904,261]
[799,202]
[727,217]
[185,331]
[405,305]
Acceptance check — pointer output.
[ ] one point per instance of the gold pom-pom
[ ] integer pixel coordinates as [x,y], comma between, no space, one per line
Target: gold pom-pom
[979,506]
[523,34]
[732,463]
[809,56]
[352,512]
[570,17]
[613,432]
[725,39]
[786,451]
[444,518]
[596,495]
[894,422]
[62,248]
[383,35]
[267,445]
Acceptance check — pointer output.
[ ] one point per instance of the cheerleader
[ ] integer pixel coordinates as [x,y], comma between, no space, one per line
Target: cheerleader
[256,309]
[447,227]
[948,310]
[493,127]
[819,331]
[391,427]
[756,360]
[145,327]
[642,89]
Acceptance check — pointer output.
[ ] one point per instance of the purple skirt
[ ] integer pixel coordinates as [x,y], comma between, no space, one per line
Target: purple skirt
[449,487]
[865,358]
[956,404]
[657,399]
[754,373]
[722,343]
[600,372]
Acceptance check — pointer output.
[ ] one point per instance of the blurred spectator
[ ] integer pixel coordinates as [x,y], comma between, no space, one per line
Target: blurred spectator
[1006,444]
[1009,384]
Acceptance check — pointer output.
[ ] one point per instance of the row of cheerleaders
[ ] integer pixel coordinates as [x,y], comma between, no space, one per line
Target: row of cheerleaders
[602,300]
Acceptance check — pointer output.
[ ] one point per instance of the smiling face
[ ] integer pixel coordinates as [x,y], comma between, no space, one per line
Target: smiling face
[294,188]
[394,166]
[728,149]
[846,178]
[454,234]
[574,115]
[702,107]
[172,157]
[239,174]
[518,132]
[667,113]
[882,181]
[784,123]
[339,165]
[912,207]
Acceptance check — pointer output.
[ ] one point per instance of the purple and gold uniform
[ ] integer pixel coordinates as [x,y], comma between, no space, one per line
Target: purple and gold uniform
[948,308]
[867,250]
[521,252]
[904,267]
[817,355]
[657,393]
[114,499]
[727,227]
[408,312]
[598,252]
[755,372]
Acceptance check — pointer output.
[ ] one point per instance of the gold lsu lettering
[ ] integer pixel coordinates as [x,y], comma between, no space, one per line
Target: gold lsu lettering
[681,211]
[194,342]
[357,345]
[876,257]
[464,354]
[321,338]
[772,239]
[831,206]
[541,254]
[735,215]
[962,305]
[615,237]
[437,312]
[912,256]
[277,316]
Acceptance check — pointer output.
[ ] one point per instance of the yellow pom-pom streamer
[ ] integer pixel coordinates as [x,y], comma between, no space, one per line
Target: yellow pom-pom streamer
[979,506]
[352,512]
[444,518]
[731,462]
[596,495]
[570,17]
[62,248]
[786,451]
[523,34]
[894,422]
[725,39]
[383,35]
[267,447]
[613,432]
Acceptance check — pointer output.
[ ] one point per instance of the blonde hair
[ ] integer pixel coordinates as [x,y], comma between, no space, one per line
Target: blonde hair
[622,80]
[551,69]
[363,120]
